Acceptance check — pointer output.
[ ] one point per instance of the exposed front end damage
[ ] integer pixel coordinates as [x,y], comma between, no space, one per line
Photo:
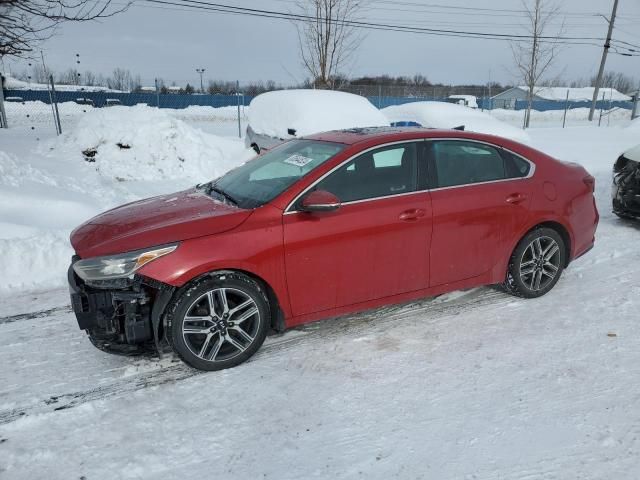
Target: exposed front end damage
[626,187]
[121,315]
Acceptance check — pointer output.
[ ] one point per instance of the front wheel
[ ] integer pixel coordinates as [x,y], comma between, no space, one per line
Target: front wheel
[219,322]
[536,264]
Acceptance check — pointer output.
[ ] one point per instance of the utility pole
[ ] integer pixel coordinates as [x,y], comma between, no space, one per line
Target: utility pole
[201,72]
[605,51]
[78,67]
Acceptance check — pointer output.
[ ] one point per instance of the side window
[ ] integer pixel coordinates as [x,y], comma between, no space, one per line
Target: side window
[462,163]
[379,173]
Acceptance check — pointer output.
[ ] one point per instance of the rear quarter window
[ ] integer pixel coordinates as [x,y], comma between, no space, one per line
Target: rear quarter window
[515,166]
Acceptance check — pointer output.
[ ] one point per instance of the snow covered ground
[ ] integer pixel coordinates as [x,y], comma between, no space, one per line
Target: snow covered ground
[470,385]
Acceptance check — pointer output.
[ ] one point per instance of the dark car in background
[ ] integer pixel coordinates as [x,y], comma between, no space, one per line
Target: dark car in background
[626,184]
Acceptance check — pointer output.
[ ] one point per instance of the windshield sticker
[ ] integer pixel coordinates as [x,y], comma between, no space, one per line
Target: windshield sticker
[298,160]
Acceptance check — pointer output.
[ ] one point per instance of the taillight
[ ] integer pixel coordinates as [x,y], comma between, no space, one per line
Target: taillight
[590,182]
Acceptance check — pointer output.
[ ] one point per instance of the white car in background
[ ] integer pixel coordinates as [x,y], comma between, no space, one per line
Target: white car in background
[281,115]
[465,100]
[449,115]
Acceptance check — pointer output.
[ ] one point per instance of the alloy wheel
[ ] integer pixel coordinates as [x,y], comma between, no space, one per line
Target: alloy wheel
[221,324]
[540,263]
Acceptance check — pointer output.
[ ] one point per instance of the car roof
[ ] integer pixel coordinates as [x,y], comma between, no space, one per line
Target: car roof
[390,134]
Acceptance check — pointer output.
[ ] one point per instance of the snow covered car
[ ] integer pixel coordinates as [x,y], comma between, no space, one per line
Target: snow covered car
[85,101]
[326,225]
[465,100]
[448,115]
[281,115]
[626,184]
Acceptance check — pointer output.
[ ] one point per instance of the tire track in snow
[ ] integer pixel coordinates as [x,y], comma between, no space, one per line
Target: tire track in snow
[39,314]
[371,322]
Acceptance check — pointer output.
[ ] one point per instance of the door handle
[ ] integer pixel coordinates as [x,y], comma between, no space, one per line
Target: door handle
[516,198]
[412,214]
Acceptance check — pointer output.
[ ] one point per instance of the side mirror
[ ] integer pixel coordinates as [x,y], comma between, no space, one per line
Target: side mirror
[320,201]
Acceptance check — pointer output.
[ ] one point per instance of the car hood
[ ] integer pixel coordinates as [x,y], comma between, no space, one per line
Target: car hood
[155,221]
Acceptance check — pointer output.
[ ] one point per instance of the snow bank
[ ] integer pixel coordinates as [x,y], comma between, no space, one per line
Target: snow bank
[448,115]
[634,125]
[206,113]
[144,143]
[311,111]
[48,191]
[576,94]
[12,83]
[554,117]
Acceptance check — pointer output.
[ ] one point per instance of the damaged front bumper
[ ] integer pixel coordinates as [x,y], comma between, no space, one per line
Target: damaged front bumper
[121,315]
[626,187]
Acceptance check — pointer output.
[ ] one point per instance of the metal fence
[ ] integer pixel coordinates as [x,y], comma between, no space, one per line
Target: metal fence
[105,99]
[35,109]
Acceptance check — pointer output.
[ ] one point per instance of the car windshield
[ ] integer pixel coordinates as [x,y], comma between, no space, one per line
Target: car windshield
[261,180]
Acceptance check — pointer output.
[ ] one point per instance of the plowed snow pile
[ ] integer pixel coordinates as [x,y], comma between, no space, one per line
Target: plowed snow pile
[51,190]
[144,143]
[635,125]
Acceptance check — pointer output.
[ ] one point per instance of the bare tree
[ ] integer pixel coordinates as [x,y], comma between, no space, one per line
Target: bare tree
[120,80]
[533,59]
[89,78]
[621,82]
[69,77]
[25,23]
[327,37]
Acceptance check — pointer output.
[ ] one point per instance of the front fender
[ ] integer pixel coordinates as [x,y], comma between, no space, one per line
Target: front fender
[256,249]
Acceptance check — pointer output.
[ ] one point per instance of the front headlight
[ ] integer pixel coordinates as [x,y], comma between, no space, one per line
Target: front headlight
[118,266]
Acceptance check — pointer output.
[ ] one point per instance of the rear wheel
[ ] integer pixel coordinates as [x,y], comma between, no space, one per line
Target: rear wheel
[219,322]
[536,264]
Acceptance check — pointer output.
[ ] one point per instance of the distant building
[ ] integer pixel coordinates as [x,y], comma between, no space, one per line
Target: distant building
[508,98]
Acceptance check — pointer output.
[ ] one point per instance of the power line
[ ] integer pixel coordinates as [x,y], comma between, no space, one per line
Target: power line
[223,8]
[405,22]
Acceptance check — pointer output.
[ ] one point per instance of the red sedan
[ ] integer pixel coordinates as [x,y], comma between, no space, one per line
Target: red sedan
[325,225]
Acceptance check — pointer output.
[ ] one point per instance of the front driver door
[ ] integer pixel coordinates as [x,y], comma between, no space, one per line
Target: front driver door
[375,245]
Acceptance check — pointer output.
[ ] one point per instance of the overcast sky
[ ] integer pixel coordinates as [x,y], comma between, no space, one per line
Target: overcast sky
[171,43]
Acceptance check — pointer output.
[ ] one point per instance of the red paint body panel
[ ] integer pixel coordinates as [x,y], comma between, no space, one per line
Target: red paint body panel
[365,254]
[363,251]
[472,226]
[155,221]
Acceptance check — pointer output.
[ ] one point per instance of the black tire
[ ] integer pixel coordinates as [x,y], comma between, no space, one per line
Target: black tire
[523,283]
[235,348]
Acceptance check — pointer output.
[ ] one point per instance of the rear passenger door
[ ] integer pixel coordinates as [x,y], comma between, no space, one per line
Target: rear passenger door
[480,197]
